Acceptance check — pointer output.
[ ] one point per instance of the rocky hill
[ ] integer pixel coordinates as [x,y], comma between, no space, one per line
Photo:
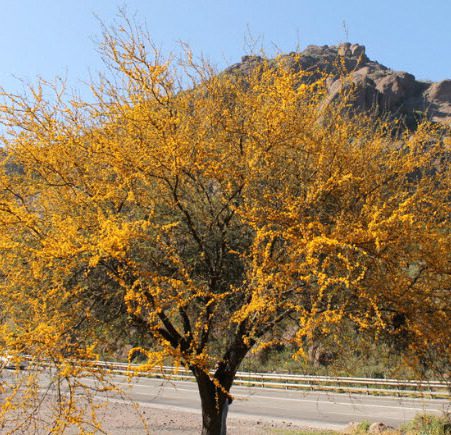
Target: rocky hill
[376,87]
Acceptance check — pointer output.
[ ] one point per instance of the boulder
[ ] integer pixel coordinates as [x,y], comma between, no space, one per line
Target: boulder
[437,101]
[379,427]
[251,58]
[344,49]
[396,88]
[363,93]
[358,50]
[440,91]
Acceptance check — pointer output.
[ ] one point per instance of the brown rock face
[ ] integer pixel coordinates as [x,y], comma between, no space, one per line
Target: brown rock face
[375,86]
[438,101]
[396,88]
[440,91]
[364,94]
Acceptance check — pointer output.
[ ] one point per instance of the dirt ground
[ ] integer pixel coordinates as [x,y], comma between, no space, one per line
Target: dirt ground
[122,419]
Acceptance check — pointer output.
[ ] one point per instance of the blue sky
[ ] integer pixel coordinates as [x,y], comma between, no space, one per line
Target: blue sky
[56,37]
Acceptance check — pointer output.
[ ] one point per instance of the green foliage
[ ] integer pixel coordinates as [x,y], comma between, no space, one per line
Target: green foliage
[356,355]
[363,426]
[427,424]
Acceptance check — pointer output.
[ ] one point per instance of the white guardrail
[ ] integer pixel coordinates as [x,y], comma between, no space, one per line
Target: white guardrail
[391,387]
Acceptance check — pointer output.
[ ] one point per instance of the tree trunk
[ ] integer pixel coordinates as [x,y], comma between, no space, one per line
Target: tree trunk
[214,396]
[214,403]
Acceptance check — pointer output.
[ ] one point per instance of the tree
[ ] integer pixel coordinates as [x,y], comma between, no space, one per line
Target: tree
[211,211]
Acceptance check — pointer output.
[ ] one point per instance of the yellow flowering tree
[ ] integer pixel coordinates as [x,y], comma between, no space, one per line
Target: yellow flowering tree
[208,211]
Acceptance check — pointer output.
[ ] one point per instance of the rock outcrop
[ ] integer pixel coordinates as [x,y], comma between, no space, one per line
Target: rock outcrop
[375,87]
[379,427]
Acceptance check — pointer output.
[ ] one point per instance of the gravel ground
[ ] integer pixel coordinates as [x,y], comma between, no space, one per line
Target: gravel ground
[122,419]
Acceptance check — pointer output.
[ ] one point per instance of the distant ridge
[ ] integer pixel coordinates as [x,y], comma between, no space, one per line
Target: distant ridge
[376,87]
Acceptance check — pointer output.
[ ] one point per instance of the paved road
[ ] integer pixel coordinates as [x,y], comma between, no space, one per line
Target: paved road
[316,409]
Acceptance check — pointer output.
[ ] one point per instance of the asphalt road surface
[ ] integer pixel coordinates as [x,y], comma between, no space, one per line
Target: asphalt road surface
[316,409]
